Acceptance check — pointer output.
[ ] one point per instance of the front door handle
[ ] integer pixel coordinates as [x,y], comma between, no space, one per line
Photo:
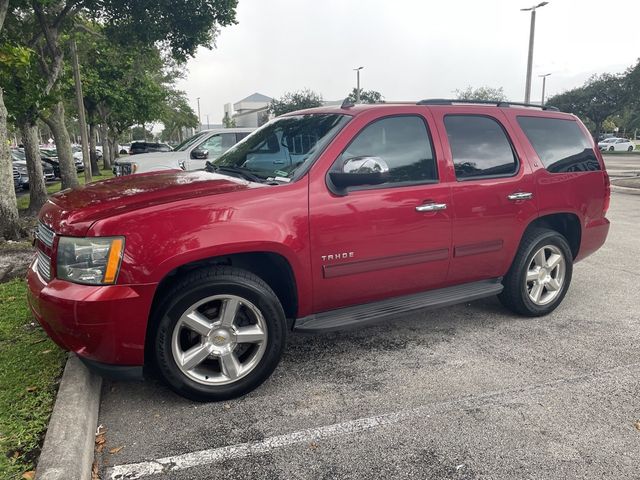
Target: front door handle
[431,207]
[520,196]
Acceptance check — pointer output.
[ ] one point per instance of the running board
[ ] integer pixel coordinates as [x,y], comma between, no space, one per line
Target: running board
[360,315]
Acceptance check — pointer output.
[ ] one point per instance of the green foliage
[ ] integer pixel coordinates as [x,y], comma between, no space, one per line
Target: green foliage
[227,121]
[31,365]
[600,97]
[487,94]
[177,114]
[366,96]
[292,101]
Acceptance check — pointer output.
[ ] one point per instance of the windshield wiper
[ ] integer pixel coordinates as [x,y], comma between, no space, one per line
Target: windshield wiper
[239,171]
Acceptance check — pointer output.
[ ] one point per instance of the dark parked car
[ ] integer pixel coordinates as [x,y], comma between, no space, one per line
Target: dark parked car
[148,147]
[20,164]
[327,218]
[50,156]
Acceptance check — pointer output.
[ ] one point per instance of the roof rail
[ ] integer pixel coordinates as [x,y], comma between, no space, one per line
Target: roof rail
[503,104]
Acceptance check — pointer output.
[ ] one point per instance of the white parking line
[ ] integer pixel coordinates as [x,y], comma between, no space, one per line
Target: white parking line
[210,456]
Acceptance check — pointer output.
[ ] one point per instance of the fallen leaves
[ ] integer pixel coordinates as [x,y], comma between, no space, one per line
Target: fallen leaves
[100,438]
[113,451]
[637,425]
[30,475]
[31,389]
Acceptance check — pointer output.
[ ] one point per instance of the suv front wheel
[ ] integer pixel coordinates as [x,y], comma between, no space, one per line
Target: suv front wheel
[221,333]
[540,274]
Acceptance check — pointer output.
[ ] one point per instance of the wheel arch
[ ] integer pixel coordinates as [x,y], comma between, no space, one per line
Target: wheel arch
[274,268]
[566,223]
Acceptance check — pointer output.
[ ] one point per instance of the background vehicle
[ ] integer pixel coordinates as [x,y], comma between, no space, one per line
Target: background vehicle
[323,219]
[124,148]
[616,144]
[192,154]
[148,147]
[20,165]
[51,156]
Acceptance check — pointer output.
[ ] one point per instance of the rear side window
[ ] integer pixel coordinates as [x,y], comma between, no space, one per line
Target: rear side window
[560,144]
[403,143]
[480,147]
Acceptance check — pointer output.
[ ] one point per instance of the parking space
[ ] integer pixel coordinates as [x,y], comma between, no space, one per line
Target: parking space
[466,392]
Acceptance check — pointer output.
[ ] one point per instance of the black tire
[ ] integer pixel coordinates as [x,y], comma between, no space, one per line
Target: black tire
[630,149]
[201,284]
[515,295]
[611,149]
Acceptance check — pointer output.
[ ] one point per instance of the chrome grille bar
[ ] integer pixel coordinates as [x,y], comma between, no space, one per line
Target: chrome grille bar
[44,265]
[45,234]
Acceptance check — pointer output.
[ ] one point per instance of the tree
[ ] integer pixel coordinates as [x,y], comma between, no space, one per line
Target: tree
[9,227]
[600,97]
[488,94]
[366,96]
[176,115]
[227,121]
[292,101]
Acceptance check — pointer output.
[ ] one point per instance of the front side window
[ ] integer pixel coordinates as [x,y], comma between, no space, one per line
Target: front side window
[560,144]
[402,142]
[284,147]
[479,147]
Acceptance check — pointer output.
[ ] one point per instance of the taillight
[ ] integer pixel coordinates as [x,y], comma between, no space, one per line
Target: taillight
[607,193]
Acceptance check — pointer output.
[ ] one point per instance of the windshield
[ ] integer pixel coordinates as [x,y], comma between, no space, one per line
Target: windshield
[283,146]
[18,155]
[189,142]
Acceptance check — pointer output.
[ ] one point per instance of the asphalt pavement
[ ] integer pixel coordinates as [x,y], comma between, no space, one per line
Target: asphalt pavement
[467,392]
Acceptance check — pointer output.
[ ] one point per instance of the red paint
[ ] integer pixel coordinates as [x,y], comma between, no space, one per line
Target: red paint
[173,218]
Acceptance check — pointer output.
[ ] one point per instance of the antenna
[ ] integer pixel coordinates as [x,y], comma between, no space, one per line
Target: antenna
[347,103]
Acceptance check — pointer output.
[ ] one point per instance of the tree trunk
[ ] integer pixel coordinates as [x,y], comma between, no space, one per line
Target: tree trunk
[9,227]
[63,146]
[112,150]
[37,188]
[95,168]
[106,162]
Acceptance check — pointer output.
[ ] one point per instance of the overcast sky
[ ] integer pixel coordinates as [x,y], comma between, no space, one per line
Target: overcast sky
[410,49]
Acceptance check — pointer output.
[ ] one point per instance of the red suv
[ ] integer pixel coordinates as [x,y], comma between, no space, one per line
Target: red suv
[320,220]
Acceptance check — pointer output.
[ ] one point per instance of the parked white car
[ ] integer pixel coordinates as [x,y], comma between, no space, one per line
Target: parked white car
[192,154]
[615,144]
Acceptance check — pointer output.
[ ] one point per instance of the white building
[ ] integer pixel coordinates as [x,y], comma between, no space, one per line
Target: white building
[251,111]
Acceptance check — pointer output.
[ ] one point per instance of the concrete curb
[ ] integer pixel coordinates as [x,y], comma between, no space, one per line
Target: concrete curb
[68,447]
[627,190]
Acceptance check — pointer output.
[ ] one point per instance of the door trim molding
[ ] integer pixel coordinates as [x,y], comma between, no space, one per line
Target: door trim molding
[362,266]
[477,248]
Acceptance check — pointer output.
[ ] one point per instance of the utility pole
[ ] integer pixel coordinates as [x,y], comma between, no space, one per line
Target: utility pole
[544,83]
[208,121]
[358,83]
[199,120]
[81,118]
[532,29]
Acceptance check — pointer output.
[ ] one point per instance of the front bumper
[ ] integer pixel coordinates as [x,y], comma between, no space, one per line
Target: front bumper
[105,324]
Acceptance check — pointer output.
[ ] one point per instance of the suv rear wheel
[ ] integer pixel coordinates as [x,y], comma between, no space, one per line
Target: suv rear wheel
[221,333]
[540,274]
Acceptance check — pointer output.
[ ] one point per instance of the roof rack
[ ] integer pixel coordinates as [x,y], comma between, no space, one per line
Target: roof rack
[503,104]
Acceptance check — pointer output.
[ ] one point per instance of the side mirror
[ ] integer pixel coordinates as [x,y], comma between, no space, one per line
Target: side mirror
[199,154]
[357,171]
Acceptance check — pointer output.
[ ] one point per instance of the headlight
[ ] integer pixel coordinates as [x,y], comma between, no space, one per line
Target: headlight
[93,261]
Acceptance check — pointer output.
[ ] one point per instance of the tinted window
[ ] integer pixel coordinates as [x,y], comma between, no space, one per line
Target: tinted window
[479,147]
[241,135]
[560,144]
[402,142]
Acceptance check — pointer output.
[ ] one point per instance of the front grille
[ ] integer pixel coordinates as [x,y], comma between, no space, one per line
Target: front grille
[44,265]
[16,173]
[123,169]
[45,234]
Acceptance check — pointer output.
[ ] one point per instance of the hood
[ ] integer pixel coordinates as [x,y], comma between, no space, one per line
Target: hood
[72,212]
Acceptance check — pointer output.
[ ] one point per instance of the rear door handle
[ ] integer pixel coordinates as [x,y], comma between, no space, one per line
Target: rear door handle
[431,207]
[520,196]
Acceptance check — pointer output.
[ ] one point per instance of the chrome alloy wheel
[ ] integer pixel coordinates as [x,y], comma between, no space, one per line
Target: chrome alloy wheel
[219,340]
[545,275]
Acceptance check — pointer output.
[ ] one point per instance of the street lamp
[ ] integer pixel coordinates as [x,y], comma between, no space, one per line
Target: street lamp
[199,120]
[527,90]
[357,70]
[544,83]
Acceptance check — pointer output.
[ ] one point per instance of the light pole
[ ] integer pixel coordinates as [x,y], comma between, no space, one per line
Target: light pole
[527,90]
[358,83]
[199,120]
[544,84]
[207,121]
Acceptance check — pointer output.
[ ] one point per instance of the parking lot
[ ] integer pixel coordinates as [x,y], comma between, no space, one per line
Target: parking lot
[466,392]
